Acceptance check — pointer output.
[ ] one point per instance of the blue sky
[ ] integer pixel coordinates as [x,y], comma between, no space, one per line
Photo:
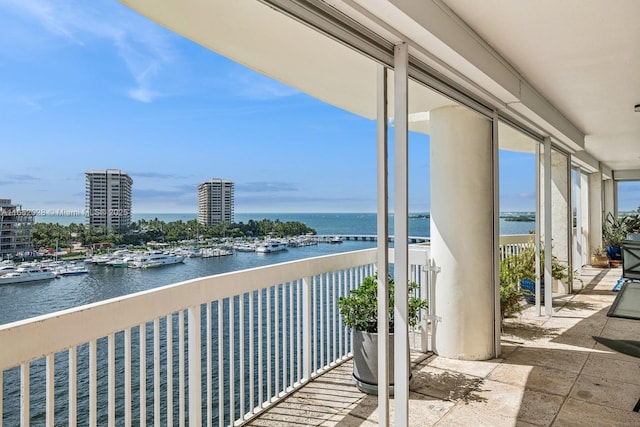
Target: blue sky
[93,85]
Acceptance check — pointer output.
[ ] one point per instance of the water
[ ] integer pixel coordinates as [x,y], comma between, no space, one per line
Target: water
[22,301]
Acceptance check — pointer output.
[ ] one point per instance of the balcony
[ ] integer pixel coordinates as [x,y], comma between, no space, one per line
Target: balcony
[551,372]
[266,346]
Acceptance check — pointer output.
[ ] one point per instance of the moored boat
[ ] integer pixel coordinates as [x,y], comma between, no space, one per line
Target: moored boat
[27,274]
[271,246]
[156,259]
[6,267]
[72,270]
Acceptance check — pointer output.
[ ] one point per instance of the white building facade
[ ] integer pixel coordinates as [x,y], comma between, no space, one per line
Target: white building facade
[108,199]
[215,201]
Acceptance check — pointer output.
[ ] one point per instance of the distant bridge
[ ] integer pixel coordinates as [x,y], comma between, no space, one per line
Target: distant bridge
[367,237]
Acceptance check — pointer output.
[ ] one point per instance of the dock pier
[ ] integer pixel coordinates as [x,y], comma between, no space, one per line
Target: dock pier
[367,237]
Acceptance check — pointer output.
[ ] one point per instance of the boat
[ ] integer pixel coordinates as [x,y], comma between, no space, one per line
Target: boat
[118,262]
[245,247]
[156,259]
[72,270]
[27,274]
[335,239]
[271,246]
[216,252]
[68,268]
[7,268]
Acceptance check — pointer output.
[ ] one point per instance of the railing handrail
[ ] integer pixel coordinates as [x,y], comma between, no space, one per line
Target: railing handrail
[64,329]
[516,239]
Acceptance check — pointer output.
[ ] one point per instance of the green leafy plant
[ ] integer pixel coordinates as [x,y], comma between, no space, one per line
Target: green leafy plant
[523,265]
[510,292]
[599,251]
[615,230]
[359,310]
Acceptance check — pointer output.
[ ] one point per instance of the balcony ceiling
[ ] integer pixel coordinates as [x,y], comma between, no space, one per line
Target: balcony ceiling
[568,69]
[581,55]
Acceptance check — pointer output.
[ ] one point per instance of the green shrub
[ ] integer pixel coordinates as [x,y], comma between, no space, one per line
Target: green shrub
[360,309]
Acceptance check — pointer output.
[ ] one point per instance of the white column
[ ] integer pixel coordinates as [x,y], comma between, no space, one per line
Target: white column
[401,234]
[578,259]
[383,249]
[462,235]
[547,234]
[560,218]
[586,219]
[609,204]
[595,210]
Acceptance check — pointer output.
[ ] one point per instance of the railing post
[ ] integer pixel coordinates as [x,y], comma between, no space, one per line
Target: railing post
[195,374]
[306,329]
[25,417]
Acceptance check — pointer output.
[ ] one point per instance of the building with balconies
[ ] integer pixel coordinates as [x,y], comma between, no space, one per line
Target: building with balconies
[15,230]
[216,202]
[108,199]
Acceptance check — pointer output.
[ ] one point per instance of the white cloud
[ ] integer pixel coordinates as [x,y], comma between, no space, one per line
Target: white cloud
[143,47]
[52,18]
[249,84]
[142,94]
[33,103]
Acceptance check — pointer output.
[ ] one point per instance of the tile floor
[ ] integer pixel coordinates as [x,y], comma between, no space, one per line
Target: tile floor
[551,373]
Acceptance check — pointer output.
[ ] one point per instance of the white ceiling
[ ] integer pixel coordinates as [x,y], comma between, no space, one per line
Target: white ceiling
[568,68]
[581,55]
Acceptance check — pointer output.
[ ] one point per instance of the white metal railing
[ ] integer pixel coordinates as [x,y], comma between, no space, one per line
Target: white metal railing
[235,342]
[513,244]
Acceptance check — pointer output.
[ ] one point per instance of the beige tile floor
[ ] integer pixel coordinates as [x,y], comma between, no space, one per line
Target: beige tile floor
[552,373]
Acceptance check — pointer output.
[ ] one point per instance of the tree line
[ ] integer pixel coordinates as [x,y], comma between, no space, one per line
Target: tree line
[144,231]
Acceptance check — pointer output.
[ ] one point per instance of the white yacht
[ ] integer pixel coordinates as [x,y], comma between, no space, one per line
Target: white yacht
[7,267]
[27,274]
[156,259]
[271,246]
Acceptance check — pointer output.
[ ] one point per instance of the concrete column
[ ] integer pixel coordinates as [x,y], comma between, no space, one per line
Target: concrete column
[596,208]
[609,204]
[462,239]
[561,239]
[586,220]
[560,205]
[577,258]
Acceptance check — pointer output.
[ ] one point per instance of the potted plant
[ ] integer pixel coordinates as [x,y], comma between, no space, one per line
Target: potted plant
[359,311]
[613,233]
[523,269]
[599,257]
[510,291]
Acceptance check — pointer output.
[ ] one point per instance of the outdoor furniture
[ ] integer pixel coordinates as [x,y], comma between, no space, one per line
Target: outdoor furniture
[627,302]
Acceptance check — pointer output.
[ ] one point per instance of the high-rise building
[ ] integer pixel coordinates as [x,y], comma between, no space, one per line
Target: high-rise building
[108,200]
[15,230]
[215,202]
